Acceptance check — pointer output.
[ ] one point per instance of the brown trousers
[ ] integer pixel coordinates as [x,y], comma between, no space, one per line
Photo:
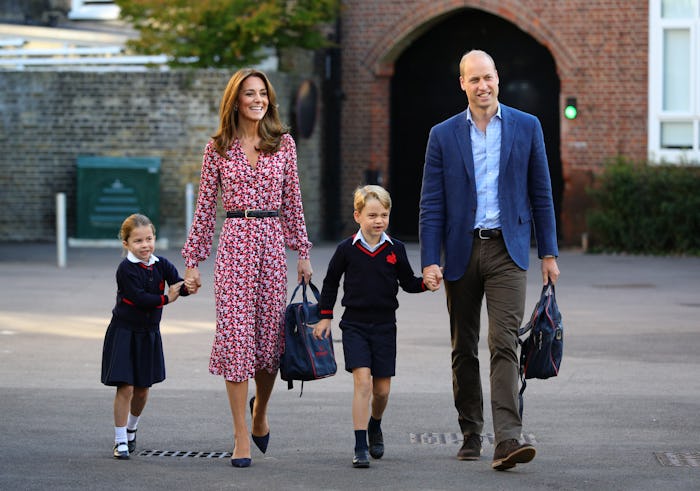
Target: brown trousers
[493,274]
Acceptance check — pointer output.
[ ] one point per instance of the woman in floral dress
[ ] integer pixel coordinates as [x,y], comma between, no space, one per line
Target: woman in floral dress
[252,161]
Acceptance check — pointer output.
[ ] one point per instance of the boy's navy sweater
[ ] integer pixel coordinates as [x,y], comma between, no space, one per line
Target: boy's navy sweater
[371,281]
[141,293]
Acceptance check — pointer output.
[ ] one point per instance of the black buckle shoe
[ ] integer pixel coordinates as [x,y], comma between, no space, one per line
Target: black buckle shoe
[361,459]
[131,443]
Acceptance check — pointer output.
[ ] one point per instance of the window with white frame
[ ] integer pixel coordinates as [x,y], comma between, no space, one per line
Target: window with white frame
[674,81]
[93,10]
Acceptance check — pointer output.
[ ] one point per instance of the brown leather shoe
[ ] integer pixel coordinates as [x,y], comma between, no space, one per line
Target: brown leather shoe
[471,448]
[511,452]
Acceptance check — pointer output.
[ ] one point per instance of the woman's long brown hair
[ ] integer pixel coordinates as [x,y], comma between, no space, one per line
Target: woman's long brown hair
[271,128]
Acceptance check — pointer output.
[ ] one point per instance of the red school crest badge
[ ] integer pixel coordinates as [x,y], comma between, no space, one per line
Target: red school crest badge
[391,258]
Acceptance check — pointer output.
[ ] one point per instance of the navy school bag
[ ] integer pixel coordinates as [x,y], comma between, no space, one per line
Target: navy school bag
[305,358]
[541,341]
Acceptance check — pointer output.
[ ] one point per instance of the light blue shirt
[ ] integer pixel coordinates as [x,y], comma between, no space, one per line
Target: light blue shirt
[361,238]
[486,150]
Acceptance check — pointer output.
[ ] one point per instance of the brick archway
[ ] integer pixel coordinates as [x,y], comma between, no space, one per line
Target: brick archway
[382,54]
[600,54]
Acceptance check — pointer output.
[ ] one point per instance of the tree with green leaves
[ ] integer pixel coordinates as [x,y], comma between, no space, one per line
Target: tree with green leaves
[225,33]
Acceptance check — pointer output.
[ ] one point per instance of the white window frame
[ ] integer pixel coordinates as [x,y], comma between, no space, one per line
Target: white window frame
[93,10]
[657,115]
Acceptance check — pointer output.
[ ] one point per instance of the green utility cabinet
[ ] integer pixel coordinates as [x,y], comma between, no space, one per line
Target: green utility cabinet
[109,189]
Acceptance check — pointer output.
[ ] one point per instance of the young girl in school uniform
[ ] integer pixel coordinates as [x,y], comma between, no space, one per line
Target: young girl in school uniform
[132,355]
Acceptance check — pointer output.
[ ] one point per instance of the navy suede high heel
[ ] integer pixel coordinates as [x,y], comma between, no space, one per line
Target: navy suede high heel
[244,462]
[260,441]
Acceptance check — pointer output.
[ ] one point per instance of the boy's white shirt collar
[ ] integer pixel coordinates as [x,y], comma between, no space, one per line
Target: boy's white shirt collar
[153,259]
[361,238]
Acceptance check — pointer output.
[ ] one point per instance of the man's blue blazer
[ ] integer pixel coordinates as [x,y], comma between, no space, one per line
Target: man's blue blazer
[448,196]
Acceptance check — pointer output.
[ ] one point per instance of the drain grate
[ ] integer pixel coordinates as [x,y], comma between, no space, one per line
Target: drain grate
[678,459]
[184,453]
[429,438]
[436,438]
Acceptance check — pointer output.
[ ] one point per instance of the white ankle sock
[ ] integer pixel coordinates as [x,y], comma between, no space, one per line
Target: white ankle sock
[132,423]
[119,434]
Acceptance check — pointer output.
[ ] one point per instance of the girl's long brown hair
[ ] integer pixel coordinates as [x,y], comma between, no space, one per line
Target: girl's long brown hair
[271,128]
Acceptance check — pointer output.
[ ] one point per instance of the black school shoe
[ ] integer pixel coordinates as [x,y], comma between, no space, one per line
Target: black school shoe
[121,451]
[131,443]
[376,444]
[361,459]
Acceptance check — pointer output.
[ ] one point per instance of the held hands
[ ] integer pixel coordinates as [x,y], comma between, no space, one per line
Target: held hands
[174,291]
[193,280]
[432,276]
[322,329]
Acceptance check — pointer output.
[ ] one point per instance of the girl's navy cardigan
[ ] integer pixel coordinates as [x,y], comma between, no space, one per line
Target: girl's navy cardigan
[141,293]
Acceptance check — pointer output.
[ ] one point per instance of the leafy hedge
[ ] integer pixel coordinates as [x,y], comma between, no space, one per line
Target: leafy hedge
[645,208]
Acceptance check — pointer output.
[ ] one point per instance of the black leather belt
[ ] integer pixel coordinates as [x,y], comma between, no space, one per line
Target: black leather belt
[487,233]
[252,214]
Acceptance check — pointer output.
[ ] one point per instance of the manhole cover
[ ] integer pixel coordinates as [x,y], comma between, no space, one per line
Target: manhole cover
[184,453]
[678,459]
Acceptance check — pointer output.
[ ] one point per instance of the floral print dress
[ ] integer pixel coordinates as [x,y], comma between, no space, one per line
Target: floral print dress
[250,274]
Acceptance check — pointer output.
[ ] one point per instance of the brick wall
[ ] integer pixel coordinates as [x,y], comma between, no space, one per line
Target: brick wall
[49,118]
[600,48]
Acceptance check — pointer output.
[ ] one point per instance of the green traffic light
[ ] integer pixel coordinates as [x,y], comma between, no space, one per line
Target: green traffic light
[570,112]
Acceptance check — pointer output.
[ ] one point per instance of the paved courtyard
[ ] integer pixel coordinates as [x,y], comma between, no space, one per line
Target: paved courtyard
[623,414]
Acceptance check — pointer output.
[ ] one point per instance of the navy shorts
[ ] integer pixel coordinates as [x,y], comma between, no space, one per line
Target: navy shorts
[370,345]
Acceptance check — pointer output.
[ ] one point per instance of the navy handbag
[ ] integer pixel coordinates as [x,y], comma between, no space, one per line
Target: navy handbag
[541,341]
[305,358]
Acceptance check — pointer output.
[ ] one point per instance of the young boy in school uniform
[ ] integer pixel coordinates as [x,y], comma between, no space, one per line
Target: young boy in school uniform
[373,265]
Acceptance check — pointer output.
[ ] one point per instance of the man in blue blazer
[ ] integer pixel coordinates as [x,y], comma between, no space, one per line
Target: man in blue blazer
[485,184]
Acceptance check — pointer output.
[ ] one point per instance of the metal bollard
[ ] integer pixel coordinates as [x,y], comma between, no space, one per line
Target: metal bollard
[61,229]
